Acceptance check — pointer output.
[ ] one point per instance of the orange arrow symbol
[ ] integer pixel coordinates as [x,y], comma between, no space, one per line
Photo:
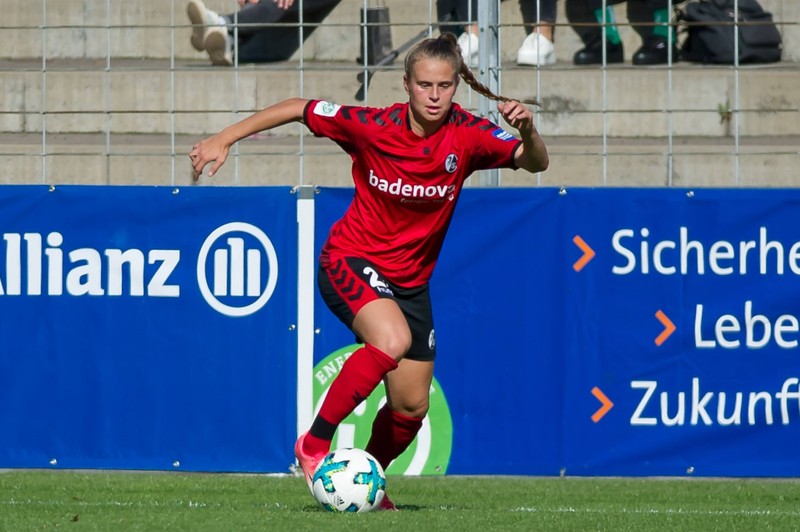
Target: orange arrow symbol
[669,328]
[588,253]
[603,410]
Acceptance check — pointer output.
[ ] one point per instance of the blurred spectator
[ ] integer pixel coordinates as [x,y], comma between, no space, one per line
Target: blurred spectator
[648,18]
[539,17]
[214,33]
[464,14]
[536,49]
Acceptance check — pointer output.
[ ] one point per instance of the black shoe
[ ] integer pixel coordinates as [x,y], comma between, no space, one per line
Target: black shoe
[654,51]
[593,54]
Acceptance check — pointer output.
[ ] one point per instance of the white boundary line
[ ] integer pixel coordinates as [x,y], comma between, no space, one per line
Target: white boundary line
[558,510]
[659,511]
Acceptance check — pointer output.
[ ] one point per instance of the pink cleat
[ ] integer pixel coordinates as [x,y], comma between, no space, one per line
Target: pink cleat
[308,463]
[386,505]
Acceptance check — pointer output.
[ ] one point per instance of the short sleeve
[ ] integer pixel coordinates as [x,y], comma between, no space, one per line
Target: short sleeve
[492,146]
[327,119]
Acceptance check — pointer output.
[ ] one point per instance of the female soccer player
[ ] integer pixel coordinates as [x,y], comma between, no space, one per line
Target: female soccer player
[410,161]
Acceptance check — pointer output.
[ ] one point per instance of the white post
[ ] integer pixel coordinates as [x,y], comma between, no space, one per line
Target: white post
[306,263]
[489,70]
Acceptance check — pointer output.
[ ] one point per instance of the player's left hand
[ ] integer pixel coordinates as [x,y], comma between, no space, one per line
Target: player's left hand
[243,3]
[517,115]
[284,4]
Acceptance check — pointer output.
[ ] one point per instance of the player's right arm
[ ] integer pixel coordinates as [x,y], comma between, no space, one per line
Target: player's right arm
[215,149]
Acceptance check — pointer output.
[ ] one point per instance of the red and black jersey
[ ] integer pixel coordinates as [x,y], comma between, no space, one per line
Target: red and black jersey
[406,186]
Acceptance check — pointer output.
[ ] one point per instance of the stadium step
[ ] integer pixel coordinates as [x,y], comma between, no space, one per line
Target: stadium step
[160,29]
[121,89]
[160,159]
[191,97]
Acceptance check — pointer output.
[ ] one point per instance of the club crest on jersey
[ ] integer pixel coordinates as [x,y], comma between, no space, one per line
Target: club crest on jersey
[451,163]
[502,134]
[326,108]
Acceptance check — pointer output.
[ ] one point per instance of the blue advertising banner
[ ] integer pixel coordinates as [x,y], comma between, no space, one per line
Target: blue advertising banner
[611,332]
[579,331]
[148,327]
[687,321]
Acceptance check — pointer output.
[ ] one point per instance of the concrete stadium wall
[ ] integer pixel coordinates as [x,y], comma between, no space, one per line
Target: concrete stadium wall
[151,28]
[121,96]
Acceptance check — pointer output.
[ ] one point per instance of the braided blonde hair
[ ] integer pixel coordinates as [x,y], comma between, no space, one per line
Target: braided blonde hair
[445,48]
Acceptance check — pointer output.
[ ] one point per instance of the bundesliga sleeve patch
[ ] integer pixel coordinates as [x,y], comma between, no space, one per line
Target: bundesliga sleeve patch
[326,109]
[502,134]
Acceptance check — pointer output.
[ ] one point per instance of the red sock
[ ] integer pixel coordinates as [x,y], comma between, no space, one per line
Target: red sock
[316,446]
[392,433]
[359,376]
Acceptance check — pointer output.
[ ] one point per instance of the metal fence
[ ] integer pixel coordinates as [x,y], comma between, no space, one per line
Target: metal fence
[105,92]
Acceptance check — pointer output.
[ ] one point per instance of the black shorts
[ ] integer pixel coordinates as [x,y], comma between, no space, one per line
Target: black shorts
[348,283]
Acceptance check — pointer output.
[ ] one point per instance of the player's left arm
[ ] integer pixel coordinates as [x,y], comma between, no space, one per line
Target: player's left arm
[532,153]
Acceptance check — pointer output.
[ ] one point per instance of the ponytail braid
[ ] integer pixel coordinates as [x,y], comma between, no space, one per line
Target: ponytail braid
[469,78]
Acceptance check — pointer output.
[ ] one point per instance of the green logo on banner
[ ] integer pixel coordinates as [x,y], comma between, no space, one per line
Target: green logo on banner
[428,454]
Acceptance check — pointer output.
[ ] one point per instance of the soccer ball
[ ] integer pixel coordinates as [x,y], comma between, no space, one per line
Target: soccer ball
[349,480]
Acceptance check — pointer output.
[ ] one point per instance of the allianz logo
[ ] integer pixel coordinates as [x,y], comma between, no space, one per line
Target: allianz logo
[236,269]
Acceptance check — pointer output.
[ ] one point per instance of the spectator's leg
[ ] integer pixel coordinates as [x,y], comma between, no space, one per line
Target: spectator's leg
[586,17]
[202,20]
[537,49]
[459,12]
[643,14]
[543,21]
[465,13]
[275,43]
[267,12]
[662,14]
[445,8]
[583,15]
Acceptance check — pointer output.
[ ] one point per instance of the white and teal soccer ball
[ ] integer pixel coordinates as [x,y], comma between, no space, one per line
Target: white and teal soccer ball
[349,480]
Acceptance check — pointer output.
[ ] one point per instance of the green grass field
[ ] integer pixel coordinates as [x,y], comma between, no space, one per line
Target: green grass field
[120,501]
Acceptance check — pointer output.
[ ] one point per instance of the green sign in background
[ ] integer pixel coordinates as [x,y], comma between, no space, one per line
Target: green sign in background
[428,454]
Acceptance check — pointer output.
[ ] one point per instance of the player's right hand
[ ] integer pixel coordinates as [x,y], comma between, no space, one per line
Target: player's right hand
[211,150]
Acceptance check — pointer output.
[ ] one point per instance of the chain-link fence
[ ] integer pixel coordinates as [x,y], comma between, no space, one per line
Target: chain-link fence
[111,92]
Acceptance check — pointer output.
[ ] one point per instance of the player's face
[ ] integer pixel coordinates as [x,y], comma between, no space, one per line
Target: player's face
[430,87]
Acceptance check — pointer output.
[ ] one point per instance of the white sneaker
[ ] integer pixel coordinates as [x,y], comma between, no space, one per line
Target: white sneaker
[218,46]
[536,50]
[201,18]
[468,42]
